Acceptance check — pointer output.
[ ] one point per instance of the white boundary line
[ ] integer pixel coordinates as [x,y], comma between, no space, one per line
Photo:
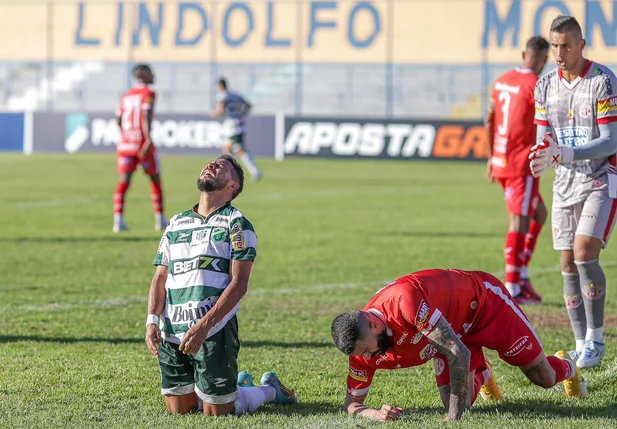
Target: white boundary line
[282,291]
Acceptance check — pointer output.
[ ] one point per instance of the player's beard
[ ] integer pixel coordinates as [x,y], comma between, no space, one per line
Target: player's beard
[383,342]
[210,184]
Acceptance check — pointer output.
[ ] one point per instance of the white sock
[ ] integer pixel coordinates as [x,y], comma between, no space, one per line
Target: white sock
[118,218]
[252,398]
[579,345]
[524,272]
[248,162]
[596,334]
[513,288]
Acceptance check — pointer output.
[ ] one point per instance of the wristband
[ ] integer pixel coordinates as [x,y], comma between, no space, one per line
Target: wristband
[152,319]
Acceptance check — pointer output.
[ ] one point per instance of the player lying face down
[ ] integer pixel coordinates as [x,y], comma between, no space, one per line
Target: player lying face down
[447,316]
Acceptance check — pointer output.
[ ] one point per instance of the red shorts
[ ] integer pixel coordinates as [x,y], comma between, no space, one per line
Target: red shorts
[129,163]
[502,327]
[522,194]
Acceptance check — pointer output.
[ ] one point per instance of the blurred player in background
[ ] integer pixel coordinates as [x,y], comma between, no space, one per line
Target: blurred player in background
[511,134]
[135,147]
[448,316]
[576,114]
[234,108]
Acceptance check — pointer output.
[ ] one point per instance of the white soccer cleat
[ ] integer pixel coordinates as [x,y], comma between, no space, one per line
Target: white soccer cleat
[592,354]
[160,222]
[119,224]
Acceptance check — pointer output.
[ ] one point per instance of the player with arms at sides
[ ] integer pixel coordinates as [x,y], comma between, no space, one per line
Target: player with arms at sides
[448,316]
[234,109]
[203,265]
[134,116]
[576,114]
[511,134]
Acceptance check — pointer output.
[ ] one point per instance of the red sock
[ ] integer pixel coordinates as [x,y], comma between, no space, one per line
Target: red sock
[119,197]
[157,196]
[515,244]
[530,241]
[563,368]
[478,381]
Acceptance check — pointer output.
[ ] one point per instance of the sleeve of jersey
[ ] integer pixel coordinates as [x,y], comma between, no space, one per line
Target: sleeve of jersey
[607,99]
[220,97]
[148,101]
[540,117]
[359,378]
[162,254]
[419,312]
[243,240]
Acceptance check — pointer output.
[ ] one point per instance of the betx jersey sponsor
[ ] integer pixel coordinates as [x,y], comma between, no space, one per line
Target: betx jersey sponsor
[198,252]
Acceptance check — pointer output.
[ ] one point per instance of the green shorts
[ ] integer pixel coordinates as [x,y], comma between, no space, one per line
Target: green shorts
[237,139]
[211,373]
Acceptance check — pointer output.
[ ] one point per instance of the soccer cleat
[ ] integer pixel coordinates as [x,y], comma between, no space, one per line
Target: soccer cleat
[284,396]
[592,354]
[574,386]
[574,355]
[529,292]
[245,379]
[521,299]
[257,177]
[119,227]
[490,391]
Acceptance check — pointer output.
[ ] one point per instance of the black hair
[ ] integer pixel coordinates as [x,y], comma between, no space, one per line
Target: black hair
[223,82]
[141,68]
[537,44]
[238,170]
[347,329]
[566,24]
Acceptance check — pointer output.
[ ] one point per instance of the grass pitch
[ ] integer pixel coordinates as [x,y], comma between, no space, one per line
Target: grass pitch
[73,295]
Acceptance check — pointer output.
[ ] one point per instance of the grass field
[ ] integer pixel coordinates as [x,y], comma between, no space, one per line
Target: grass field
[73,295]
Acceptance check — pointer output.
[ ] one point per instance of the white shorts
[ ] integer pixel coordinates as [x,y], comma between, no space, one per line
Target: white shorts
[594,217]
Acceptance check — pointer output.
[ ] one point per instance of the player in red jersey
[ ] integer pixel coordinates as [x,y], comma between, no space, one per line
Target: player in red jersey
[135,146]
[448,316]
[511,134]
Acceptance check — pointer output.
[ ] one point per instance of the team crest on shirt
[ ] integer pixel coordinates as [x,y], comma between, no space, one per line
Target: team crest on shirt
[422,315]
[218,234]
[585,110]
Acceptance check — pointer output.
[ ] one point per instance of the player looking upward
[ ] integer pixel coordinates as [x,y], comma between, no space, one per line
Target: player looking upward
[511,134]
[576,114]
[134,116]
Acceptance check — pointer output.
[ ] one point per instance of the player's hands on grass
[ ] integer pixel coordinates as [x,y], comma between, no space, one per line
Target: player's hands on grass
[547,154]
[489,175]
[153,338]
[194,339]
[388,412]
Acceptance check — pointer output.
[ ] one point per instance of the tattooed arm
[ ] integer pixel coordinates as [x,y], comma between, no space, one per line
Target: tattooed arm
[445,341]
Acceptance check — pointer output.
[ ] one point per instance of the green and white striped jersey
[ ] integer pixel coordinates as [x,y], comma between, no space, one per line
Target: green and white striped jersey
[198,252]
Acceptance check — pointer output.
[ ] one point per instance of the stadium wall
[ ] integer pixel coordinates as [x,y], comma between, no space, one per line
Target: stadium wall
[277,136]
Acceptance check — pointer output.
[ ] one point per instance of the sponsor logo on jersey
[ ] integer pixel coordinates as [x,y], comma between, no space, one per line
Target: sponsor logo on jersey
[573,136]
[200,237]
[422,315]
[607,106]
[417,338]
[198,263]
[518,346]
[400,341]
[381,359]
[359,375]
[439,365]
[428,352]
[191,311]
[237,237]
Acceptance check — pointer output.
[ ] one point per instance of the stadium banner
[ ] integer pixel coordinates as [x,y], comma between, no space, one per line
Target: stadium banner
[374,138]
[172,133]
[12,137]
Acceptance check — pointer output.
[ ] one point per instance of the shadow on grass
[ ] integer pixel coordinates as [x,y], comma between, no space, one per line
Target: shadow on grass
[541,408]
[73,340]
[443,234]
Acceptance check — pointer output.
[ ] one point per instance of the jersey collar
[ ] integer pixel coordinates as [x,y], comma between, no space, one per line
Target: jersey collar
[572,85]
[205,219]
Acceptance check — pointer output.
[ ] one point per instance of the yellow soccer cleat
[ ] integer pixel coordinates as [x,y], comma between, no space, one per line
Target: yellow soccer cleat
[490,391]
[574,386]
